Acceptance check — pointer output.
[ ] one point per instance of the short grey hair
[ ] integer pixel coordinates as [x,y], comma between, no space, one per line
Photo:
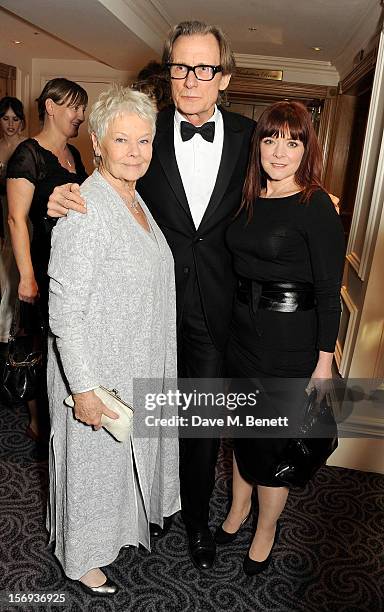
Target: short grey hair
[116,101]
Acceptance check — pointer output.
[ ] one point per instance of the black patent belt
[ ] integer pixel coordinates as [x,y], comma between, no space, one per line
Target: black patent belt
[281,297]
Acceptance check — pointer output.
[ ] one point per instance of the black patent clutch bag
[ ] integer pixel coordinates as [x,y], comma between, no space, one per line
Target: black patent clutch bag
[316,442]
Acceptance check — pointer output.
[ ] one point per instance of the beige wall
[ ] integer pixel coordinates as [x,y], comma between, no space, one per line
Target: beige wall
[365,454]
[362,356]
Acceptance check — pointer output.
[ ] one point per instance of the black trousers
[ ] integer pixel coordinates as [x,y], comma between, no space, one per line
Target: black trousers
[198,358]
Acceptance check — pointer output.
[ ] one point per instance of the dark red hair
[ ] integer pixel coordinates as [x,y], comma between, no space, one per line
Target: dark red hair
[286,118]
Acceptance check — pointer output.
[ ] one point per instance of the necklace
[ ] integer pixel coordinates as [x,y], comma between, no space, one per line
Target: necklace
[133,204]
[63,158]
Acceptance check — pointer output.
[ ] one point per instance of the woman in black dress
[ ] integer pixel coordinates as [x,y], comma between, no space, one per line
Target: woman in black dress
[288,251]
[12,125]
[36,167]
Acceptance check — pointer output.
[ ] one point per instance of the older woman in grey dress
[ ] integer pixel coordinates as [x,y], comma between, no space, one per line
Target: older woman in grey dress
[112,317]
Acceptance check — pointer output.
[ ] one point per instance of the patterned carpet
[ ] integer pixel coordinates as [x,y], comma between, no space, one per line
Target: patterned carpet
[329,557]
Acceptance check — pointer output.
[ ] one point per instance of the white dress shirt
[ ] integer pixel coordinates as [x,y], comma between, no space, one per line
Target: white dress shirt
[198,162]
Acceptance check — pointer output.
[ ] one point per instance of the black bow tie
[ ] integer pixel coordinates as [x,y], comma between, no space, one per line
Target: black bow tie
[206,131]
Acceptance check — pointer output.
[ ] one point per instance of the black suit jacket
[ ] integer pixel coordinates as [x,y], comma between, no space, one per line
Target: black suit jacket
[202,252]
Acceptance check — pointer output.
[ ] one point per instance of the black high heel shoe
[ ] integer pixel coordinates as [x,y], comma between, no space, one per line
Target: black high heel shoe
[223,537]
[251,567]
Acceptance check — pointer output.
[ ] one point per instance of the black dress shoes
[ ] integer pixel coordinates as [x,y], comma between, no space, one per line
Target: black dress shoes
[156,531]
[107,589]
[202,547]
[251,567]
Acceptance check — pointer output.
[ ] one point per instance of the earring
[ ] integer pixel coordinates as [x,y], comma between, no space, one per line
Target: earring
[96,159]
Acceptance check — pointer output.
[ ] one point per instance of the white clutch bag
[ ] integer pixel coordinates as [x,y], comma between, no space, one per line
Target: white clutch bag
[119,428]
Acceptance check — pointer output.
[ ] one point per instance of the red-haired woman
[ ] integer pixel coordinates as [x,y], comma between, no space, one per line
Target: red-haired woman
[288,251]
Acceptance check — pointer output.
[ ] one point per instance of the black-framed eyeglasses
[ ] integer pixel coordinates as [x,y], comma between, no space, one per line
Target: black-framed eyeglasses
[202,72]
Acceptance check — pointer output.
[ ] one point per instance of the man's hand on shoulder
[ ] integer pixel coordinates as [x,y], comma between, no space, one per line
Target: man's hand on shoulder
[63,198]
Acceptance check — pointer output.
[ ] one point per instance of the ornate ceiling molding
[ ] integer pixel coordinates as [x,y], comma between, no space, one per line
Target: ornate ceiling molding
[304,70]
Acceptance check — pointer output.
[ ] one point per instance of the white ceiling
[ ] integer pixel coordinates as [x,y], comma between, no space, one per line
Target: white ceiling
[125,34]
[284,28]
[89,27]
[35,42]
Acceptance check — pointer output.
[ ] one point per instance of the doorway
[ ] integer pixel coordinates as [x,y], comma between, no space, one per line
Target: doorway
[7,80]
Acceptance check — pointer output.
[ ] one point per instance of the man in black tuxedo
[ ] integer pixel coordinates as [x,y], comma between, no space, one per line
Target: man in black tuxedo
[193,188]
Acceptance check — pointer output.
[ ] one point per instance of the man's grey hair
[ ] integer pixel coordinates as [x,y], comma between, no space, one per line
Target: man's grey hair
[117,101]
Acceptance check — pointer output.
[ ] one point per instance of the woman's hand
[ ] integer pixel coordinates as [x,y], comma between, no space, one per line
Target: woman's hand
[63,198]
[321,378]
[28,290]
[89,409]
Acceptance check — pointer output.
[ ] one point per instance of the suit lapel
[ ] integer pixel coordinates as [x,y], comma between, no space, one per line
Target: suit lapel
[233,138]
[164,148]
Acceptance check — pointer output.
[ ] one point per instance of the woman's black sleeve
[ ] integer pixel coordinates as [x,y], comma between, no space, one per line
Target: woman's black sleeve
[24,163]
[326,244]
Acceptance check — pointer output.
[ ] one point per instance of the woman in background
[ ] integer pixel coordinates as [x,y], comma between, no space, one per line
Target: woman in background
[12,124]
[37,166]
[288,249]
